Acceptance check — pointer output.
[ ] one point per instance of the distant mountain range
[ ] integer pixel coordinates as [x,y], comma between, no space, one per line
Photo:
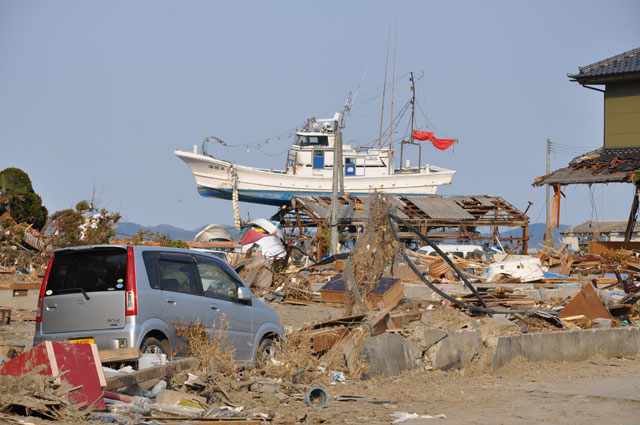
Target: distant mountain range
[536,233]
[127,229]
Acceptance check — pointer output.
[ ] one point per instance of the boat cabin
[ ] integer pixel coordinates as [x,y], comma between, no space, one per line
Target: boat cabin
[311,155]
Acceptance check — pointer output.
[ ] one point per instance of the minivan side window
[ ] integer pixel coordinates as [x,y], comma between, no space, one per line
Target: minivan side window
[177,276]
[150,265]
[216,283]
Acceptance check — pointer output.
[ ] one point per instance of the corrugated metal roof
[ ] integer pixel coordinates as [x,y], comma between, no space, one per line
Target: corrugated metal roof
[322,209]
[395,202]
[440,208]
[484,200]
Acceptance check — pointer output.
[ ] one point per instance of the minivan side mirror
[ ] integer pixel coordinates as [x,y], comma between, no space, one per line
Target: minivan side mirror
[244,295]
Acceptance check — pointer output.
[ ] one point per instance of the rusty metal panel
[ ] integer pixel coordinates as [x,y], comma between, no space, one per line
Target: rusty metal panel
[441,208]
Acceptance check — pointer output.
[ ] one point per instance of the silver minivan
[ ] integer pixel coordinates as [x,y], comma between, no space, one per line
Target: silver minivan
[132,296]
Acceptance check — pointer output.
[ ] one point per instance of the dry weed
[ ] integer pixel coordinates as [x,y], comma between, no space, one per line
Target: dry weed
[355,354]
[294,360]
[375,249]
[217,354]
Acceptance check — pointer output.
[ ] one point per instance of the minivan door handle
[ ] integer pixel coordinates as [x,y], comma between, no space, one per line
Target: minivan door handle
[213,307]
[51,306]
[171,301]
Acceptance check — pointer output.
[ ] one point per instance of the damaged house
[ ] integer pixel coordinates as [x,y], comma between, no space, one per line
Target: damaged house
[618,160]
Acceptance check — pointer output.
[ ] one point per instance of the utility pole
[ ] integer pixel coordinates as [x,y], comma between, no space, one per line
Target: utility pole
[337,170]
[548,236]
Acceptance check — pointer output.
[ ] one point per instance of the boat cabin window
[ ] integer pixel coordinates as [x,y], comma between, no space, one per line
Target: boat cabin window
[312,140]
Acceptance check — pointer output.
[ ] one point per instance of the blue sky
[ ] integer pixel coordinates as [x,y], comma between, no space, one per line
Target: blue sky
[95,96]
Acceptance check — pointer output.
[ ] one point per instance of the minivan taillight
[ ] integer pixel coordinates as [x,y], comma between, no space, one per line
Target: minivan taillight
[43,288]
[131,297]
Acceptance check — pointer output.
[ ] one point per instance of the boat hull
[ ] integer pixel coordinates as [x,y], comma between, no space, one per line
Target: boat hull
[214,178]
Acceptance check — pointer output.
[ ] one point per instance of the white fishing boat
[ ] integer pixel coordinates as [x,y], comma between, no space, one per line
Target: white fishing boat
[309,167]
[309,171]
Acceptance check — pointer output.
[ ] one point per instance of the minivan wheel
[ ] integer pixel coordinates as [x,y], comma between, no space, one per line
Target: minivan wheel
[155,346]
[266,352]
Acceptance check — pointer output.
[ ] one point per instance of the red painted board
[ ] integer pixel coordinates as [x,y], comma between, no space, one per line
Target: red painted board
[81,360]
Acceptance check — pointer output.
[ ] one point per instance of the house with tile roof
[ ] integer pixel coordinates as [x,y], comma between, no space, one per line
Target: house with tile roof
[618,160]
[576,238]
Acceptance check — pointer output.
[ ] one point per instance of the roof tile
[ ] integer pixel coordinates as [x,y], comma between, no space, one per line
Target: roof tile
[624,63]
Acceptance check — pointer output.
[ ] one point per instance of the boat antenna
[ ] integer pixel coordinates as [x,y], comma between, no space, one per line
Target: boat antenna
[393,81]
[384,87]
[350,99]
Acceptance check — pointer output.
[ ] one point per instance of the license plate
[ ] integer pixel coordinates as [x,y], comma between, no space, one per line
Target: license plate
[83,340]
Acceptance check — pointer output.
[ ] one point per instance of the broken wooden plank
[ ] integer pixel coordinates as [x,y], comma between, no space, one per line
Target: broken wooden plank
[119,355]
[356,319]
[378,320]
[324,338]
[5,315]
[125,380]
[576,317]
[19,285]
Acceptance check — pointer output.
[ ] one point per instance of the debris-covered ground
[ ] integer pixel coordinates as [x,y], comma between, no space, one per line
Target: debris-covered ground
[383,336]
[599,390]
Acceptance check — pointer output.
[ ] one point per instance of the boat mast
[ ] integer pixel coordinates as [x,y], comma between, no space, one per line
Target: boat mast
[384,87]
[393,83]
[413,120]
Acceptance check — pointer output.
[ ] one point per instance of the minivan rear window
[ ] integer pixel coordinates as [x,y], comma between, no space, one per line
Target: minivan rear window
[92,271]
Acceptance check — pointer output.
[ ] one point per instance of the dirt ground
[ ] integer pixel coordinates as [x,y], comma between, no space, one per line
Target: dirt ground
[598,391]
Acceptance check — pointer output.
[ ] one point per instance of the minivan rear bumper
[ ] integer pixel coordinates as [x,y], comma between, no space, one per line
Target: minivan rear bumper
[107,339]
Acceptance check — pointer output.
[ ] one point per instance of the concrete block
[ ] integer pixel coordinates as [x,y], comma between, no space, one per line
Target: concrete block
[572,346]
[458,349]
[610,342]
[390,354]
[432,336]
[419,292]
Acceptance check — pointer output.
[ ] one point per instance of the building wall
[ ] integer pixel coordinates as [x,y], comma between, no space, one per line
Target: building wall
[572,242]
[622,114]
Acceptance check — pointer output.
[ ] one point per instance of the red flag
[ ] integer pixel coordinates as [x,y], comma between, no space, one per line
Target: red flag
[423,135]
[443,144]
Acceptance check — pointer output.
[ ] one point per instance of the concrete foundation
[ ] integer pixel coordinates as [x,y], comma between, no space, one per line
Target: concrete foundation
[570,346]
[390,354]
[458,349]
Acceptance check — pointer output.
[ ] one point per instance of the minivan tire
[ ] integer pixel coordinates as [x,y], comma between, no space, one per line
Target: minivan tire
[153,345]
[266,352]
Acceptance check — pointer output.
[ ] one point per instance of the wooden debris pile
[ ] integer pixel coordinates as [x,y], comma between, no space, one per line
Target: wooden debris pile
[33,394]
